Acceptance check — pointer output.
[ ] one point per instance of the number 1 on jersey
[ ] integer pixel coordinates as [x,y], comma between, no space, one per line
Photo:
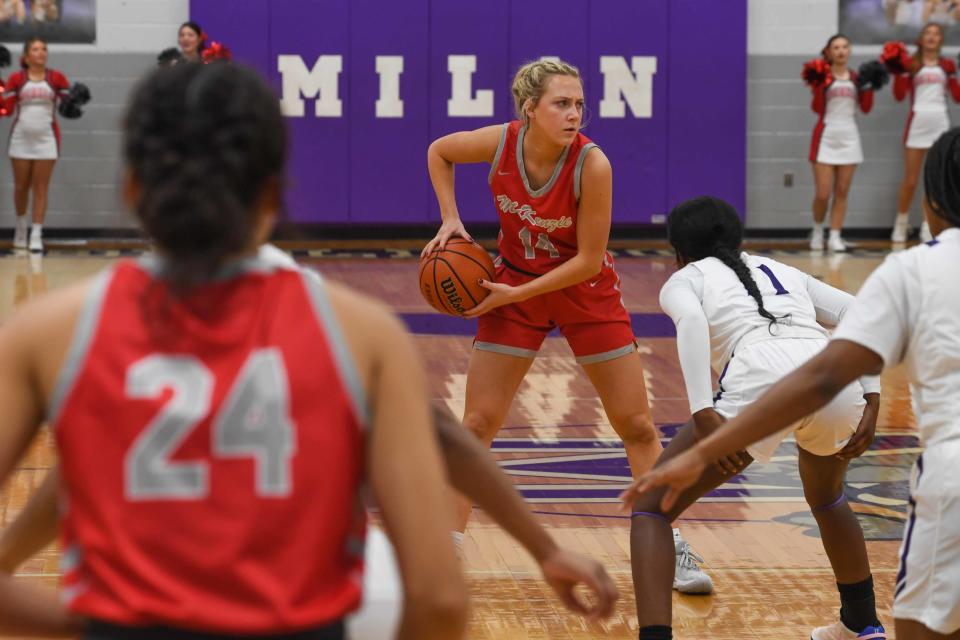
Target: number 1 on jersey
[543,242]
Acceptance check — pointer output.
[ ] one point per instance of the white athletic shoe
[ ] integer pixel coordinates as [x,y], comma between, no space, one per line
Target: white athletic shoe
[839,631]
[836,244]
[689,577]
[816,241]
[925,235]
[36,241]
[20,234]
[900,231]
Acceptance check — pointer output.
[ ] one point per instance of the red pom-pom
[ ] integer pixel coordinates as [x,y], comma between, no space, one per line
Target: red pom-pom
[216,51]
[816,73]
[896,58]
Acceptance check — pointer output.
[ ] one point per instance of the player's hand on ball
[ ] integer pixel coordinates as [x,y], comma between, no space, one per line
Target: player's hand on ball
[564,571]
[675,474]
[500,294]
[449,229]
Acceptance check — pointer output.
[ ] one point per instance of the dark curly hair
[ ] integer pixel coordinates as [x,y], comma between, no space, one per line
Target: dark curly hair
[941,177]
[203,143]
[709,227]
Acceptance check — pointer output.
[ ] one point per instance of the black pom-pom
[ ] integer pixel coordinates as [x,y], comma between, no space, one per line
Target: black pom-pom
[5,59]
[70,106]
[169,57]
[872,75]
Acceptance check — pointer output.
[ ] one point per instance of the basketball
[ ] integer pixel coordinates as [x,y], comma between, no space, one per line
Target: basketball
[448,278]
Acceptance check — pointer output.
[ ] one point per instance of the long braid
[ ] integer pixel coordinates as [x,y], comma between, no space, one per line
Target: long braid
[729,257]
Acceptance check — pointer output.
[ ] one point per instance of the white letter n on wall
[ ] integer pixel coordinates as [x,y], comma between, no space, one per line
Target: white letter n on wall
[462,103]
[622,87]
[321,82]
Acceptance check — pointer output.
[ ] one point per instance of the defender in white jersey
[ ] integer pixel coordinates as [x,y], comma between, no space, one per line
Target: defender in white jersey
[907,311]
[756,320]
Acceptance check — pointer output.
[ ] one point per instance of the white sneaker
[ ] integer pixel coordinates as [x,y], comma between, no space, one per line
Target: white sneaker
[837,244]
[839,631]
[900,230]
[20,234]
[36,241]
[816,241]
[689,577]
[925,235]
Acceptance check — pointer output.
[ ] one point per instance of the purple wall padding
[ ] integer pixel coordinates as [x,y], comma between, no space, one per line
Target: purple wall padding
[362,169]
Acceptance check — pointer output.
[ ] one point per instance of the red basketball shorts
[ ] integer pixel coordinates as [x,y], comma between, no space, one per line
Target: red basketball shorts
[590,315]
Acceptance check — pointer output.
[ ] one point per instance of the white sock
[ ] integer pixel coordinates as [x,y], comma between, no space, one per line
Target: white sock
[834,233]
[36,229]
[817,228]
[21,223]
[902,218]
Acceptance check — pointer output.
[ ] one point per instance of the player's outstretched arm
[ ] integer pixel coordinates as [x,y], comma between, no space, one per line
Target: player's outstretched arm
[474,473]
[406,472]
[797,395]
[35,527]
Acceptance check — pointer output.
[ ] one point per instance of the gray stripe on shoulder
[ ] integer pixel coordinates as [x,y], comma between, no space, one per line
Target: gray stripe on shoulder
[579,168]
[79,346]
[316,289]
[496,156]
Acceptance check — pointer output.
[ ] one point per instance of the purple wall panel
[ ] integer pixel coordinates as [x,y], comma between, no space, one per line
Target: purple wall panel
[637,147]
[708,101]
[319,147]
[467,27]
[388,155]
[364,169]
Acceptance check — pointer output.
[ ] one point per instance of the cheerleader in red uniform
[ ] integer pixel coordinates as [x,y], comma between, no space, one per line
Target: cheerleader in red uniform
[835,150]
[925,77]
[31,96]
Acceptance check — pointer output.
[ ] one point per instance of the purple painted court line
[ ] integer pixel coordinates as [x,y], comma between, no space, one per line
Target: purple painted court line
[645,325]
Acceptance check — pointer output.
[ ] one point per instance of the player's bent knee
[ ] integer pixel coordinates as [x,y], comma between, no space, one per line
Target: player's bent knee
[481,425]
[637,429]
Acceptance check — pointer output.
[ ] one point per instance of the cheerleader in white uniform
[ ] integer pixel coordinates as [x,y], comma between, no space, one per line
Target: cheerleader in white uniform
[835,150]
[926,83]
[31,96]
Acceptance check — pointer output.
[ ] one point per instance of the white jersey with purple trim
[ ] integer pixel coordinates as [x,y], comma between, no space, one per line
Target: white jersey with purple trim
[908,311]
[718,321]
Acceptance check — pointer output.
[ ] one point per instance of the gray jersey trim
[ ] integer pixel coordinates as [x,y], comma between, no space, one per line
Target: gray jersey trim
[316,290]
[268,259]
[579,169]
[608,355]
[503,349]
[536,193]
[83,334]
[496,156]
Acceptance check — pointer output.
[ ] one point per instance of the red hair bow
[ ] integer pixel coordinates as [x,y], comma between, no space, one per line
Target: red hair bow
[216,51]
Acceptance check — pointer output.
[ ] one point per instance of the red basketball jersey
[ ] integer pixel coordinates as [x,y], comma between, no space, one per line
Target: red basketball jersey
[538,227]
[212,457]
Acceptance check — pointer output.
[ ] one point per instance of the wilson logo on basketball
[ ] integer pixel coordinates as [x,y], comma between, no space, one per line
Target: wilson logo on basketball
[450,291]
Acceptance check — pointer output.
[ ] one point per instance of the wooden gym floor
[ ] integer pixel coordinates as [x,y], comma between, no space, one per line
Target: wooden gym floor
[759,540]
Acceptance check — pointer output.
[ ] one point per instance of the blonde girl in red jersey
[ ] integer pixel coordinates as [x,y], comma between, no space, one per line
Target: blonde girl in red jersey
[223,494]
[552,188]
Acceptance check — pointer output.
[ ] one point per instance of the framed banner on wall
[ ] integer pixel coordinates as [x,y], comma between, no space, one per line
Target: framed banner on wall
[53,20]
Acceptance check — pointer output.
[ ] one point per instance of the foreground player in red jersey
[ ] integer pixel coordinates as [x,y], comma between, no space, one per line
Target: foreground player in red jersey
[218,413]
[552,188]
